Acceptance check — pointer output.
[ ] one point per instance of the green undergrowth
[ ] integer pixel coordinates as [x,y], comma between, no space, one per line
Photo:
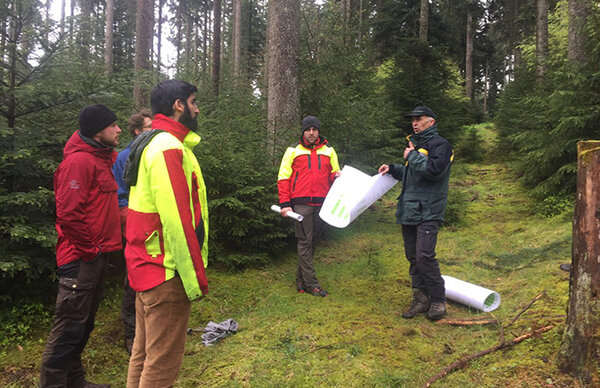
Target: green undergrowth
[355,337]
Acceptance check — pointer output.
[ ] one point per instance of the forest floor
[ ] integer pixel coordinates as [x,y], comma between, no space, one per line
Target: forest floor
[355,337]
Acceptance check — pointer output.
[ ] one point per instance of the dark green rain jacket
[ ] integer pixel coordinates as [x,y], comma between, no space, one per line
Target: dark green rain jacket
[424,179]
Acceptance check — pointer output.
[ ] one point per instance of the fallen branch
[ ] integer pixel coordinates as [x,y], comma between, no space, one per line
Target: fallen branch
[467,322]
[465,360]
[501,344]
[526,308]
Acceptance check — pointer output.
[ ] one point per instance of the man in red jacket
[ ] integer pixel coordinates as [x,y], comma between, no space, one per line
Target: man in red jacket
[306,173]
[88,226]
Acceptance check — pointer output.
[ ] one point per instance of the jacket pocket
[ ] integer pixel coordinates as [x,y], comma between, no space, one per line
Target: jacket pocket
[410,212]
[153,244]
[107,186]
[72,297]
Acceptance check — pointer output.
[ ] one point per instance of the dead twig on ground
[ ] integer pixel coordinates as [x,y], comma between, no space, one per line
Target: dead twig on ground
[501,345]
[465,360]
[467,322]
[526,308]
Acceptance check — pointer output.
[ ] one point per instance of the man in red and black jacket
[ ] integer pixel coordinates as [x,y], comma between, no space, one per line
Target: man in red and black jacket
[88,226]
[306,173]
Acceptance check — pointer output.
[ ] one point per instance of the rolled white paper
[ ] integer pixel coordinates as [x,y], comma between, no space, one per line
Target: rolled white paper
[291,214]
[471,294]
[352,193]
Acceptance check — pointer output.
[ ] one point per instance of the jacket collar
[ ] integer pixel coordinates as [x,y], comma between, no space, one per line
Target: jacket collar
[424,136]
[175,128]
[79,143]
[320,143]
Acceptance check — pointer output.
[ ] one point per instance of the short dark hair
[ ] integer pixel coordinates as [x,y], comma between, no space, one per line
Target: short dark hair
[136,121]
[167,92]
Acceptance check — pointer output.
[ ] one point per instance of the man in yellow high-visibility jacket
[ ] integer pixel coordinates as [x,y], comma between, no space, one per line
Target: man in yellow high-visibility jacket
[167,234]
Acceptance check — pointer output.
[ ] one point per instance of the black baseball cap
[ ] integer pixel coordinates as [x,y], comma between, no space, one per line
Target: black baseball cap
[421,111]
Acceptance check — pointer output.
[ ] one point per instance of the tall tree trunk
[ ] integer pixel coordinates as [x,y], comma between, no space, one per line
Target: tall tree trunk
[62,17]
[580,344]
[48,19]
[71,21]
[360,21]
[195,50]
[205,41]
[469,56]
[85,30]
[237,39]
[109,36]
[486,87]
[4,26]
[143,32]
[541,36]
[283,100]
[265,74]
[188,43]
[424,20]
[216,47]
[578,35]
[15,35]
[161,3]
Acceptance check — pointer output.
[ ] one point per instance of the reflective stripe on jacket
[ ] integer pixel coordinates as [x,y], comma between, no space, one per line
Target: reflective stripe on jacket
[306,174]
[167,222]
[87,211]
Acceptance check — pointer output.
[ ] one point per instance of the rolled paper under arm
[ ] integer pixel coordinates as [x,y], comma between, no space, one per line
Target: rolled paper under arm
[291,214]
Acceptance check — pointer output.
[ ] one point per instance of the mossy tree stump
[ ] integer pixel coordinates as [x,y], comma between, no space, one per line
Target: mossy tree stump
[580,349]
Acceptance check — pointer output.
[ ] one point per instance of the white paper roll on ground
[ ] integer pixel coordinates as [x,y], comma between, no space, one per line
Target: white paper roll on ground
[471,294]
[293,215]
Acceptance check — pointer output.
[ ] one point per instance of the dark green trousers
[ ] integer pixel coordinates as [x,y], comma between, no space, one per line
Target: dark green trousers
[307,233]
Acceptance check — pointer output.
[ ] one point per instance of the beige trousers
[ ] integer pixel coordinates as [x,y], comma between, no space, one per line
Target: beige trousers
[162,315]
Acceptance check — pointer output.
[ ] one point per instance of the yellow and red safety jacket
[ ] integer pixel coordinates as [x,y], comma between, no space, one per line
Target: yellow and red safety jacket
[306,173]
[167,222]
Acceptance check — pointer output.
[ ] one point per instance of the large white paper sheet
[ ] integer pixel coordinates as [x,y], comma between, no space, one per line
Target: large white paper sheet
[351,194]
[470,294]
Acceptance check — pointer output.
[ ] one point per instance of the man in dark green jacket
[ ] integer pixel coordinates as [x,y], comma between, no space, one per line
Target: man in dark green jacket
[421,208]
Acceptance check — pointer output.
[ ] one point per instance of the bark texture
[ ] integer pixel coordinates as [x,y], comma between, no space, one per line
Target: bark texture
[541,35]
[143,31]
[109,36]
[237,39]
[469,56]
[283,100]
[216,47]
[424,20]
[580,347]
[578,11]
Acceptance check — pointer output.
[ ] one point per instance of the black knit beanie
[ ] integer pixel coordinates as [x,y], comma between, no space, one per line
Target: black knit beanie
[310,121]
[94,118]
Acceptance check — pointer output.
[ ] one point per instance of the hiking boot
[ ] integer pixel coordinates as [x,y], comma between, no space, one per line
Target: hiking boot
[420,304]
[318,291]
[128,345]
[436,311]
[87,384]
[300,287]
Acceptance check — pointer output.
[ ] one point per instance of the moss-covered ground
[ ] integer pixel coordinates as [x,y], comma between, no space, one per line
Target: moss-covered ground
[355,337]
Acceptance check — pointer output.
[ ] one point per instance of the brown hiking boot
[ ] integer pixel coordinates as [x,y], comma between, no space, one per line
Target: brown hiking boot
[420,304]
[436,311]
